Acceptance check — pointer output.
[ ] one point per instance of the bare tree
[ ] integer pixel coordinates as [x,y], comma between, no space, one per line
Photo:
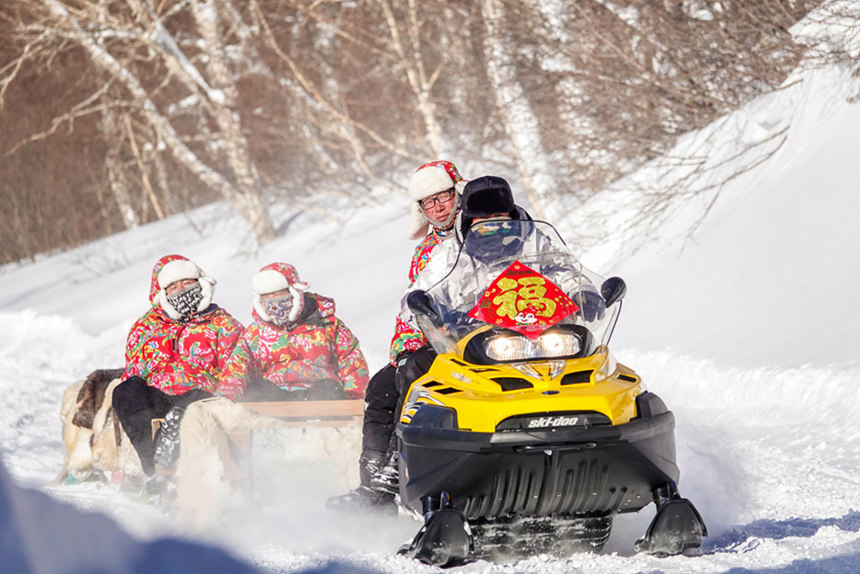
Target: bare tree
[521,123]
[136,109]
[114,35]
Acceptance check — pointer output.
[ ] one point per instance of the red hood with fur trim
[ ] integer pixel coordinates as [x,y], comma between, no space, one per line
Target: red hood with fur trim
[318,347]
[185,268]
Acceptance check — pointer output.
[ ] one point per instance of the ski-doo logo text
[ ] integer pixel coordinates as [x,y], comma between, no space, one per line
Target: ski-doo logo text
[546,422]
[461,377]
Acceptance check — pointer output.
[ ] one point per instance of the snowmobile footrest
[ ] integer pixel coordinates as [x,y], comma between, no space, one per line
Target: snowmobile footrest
[445,540]
[676,527]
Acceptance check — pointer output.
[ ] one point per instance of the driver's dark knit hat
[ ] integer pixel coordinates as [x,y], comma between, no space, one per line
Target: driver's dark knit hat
[487,195]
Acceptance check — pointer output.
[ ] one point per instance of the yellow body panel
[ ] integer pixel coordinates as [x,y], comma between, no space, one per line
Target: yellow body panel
[481,403]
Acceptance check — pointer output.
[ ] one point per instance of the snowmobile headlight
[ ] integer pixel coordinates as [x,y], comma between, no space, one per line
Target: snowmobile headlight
[559,344]
[549,345]
[507,348]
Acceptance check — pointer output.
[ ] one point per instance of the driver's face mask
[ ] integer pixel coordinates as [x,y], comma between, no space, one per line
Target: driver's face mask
[491,240]
[278,308]
[186,301]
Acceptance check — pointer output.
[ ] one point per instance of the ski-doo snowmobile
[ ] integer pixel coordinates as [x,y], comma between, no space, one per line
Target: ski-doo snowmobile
[525,435]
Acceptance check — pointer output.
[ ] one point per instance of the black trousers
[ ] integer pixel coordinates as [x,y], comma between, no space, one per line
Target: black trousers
[136,404]
[380,400]
[383,399]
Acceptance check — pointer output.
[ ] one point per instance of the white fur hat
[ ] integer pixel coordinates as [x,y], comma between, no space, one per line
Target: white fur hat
[277,277]
[177,269]
[430,179]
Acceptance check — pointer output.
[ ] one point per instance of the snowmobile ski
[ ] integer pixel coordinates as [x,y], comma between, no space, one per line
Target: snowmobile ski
[676,528]
[445,540]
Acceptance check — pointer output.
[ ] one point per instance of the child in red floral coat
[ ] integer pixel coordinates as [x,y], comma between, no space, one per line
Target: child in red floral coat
[295,347]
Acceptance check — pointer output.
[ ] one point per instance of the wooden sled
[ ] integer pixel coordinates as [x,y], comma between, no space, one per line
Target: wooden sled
[306,414]
[235,444]
[263,451]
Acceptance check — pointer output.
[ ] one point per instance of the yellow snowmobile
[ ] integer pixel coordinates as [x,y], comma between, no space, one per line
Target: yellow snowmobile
[525,435]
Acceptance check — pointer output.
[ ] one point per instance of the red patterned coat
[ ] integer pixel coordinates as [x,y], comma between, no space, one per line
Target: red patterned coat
[179,356]
[406,337]
[318,347]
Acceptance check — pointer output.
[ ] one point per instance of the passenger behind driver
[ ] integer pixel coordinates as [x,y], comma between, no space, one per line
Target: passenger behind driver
[488,201]
[434,194]
[380,484]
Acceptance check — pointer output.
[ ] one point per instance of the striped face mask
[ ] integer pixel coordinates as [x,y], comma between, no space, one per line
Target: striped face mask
[278,309]
[185,301]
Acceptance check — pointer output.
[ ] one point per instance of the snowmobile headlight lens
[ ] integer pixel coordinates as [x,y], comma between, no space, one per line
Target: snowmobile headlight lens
[552,345]
[558,344]
[506,348]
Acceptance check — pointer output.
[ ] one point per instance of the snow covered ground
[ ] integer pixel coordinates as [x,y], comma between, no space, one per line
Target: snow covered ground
[747,330]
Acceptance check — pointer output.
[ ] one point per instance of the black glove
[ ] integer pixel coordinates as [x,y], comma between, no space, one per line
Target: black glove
[421,305]
[325,390]
[262,389]
[411,365]
[592,305]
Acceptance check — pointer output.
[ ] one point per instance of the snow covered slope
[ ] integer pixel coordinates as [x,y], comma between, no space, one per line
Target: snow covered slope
[747,329]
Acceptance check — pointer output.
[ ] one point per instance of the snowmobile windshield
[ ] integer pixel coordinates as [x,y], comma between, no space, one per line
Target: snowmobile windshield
[519,285]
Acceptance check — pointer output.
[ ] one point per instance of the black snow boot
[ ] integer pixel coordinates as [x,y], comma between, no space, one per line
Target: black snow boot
[374,493]
[158,491]
[387,477]
[167,440]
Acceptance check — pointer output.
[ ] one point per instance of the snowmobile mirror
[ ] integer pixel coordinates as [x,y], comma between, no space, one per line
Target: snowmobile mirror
[612,290]
[420,304]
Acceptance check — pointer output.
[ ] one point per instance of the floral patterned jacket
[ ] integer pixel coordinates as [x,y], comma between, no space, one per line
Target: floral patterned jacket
[177,356]
[319,346]
[406,337]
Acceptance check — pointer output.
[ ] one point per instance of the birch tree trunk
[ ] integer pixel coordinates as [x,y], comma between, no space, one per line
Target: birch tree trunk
[224,94]
[118,183]
[408,52]
[326,105]
[533,163]
[246,199]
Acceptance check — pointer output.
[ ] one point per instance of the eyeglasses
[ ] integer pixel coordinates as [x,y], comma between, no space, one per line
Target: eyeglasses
[441,197]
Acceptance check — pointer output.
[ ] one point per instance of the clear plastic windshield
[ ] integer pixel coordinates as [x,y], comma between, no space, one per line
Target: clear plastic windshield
[518,276]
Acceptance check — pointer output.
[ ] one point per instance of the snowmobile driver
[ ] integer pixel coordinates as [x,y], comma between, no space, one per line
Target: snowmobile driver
[434,193]
[484,234]
[174,354]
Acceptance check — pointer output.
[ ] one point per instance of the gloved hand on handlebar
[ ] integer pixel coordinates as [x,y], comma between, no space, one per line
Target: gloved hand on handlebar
[592,305]
[421,305]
